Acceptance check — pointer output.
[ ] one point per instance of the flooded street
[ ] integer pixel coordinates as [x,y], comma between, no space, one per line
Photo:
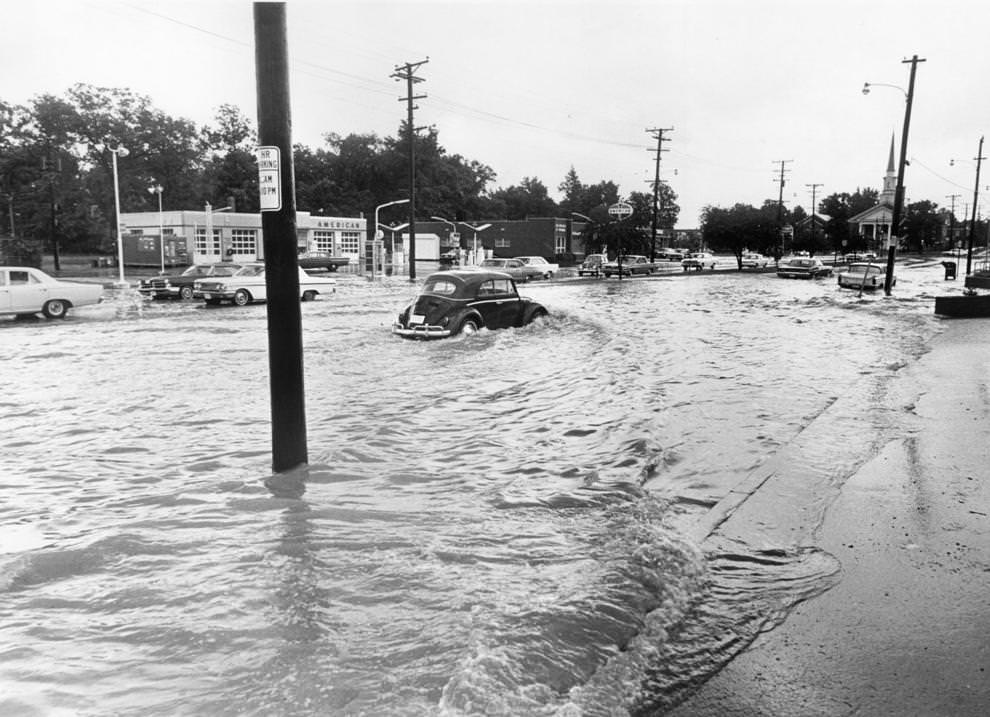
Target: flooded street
[498,524]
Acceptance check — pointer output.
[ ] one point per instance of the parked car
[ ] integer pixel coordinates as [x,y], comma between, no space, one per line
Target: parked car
[670,255]
[25,291]
[592,265]
[753,261]
[548,268]
[631,264]
[321,260]
[463,301]
[801,268]
[247,285]
[699,261]
[514,268]
[864,275]
[180,286]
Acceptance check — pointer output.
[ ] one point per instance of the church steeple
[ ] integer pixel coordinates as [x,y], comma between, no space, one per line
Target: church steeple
[889,180]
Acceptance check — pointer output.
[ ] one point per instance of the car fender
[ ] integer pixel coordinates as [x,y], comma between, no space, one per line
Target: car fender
[532,311]
[459,318]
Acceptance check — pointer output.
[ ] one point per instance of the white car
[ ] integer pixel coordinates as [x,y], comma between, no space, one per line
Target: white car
[247,285]
[699,261]
[26,291]
[548,268]
[753,261]
[865,276]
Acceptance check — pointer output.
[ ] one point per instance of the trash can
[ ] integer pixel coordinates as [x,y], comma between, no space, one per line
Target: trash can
[950,269]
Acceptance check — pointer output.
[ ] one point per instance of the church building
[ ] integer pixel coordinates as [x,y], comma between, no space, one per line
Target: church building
[874,223]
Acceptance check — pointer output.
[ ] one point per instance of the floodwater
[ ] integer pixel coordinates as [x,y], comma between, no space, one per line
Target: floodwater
[503,524]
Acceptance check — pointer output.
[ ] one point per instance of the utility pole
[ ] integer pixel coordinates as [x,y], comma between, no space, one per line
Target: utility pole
[780,202]
[277,195]
[407,72]
[976,199]
[658,133]
[895,223]
[814,209]
[952,221]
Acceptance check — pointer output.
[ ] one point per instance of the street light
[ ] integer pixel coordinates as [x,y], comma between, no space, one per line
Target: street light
[377,230]
[157,189]
[895,223]
[122,151]
[476,230]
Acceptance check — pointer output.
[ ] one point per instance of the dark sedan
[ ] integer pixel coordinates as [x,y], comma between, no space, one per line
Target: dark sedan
[180,286]
[802,268]
[464,301]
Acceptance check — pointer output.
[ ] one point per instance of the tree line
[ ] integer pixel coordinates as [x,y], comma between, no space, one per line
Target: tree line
[56,173]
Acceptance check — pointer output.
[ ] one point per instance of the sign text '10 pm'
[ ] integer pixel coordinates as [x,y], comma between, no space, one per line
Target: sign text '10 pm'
[269,178]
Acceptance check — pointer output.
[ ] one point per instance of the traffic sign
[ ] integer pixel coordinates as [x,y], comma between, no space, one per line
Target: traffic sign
[620,210]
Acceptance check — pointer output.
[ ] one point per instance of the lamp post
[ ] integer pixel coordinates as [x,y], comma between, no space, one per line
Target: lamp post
[976,199]
[122,151]
[475,244]
[378,230]
[157,189]
[453,230]
[895,222]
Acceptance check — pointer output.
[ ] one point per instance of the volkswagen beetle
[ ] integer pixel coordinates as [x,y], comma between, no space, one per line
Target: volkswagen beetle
[464,301]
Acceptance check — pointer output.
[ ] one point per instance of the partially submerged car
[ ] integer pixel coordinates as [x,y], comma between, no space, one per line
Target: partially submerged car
[631,264]
[26,291]
[592,265]
[698,261]
[797,267]
[462,301]
[248,285]
[514,268]
[548,268]
[180,286]
[862,275]
[752,260]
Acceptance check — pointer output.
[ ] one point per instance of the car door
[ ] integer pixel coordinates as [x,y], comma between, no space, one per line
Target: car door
[27,293]
[498,303]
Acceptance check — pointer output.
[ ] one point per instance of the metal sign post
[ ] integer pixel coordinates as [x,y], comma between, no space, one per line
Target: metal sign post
[620,210]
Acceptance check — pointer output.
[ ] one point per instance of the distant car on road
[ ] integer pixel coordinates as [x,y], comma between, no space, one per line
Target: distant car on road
[864,275]
[321,260]
[548,268]
[514,268]
[754,261]
[25,291]
[464,301]
[180,286]
[699,261]
[631,264]
[592,265]
[248,285]
[670,255]
[797,267]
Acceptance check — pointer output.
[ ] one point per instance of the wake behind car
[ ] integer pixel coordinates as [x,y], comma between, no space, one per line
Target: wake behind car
[514,268]
[180,286]
[864,276]
[462,301]
[25,291]
[248,285]
[797,267]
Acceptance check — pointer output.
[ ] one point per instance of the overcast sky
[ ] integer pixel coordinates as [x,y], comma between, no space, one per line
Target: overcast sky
[533,88]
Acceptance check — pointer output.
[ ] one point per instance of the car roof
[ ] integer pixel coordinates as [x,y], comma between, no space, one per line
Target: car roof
[469,276]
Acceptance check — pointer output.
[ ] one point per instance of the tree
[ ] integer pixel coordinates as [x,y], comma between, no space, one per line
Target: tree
[530,198]
[922,225]
[741,228]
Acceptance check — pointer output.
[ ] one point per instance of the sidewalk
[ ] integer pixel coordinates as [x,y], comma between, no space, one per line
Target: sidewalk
[906,631]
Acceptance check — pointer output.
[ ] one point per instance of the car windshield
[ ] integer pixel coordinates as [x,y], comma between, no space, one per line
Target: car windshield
[196,270]
[493,262]
[860,268]
[801,262]
[251,270]
[442,286]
